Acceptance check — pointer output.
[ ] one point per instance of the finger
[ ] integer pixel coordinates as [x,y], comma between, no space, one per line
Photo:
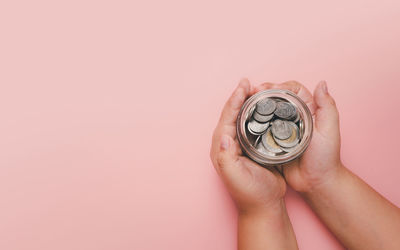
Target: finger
[216,145]
[280,170]
[237,170]
[230,165]
[226,156]
[326,115]
[259,173]
[262,86]
[227,122]
[293,86]
[291,173]
[234,103]
[301,91]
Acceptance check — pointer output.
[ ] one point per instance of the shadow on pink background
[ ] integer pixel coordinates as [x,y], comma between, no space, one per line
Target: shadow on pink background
[107,110]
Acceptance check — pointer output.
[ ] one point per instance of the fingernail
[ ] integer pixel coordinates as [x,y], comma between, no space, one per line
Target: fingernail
[324,87]
[224,142]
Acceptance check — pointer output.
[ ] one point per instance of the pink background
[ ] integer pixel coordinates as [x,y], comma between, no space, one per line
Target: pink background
[107,110]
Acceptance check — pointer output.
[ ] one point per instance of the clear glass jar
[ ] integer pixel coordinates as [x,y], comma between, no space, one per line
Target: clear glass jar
[305,125]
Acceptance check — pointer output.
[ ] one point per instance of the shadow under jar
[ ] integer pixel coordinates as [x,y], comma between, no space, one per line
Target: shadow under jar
[274,127]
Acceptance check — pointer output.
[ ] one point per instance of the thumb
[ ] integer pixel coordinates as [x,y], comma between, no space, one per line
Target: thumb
[227,154]
[326,114]
[227,158]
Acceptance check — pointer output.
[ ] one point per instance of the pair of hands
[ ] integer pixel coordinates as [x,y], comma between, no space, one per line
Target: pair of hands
[255,188]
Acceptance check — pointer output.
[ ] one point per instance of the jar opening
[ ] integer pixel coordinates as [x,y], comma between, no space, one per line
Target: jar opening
[272,150]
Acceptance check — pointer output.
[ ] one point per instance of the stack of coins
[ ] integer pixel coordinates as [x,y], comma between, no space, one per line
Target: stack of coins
[274,127]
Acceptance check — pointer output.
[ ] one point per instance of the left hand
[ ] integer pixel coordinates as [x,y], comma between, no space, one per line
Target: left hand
[252,187]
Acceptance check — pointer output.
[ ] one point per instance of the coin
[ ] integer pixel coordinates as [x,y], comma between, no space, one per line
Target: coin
[260,148]
[293,140]
[281,129]
[269,143]
[266,106]
[274,127]
[294,116]
[262,118]
[288,150]
[250,113]
[256,142]
[285,110]
[301,128]
[297,118]
[257,127]
[251,131]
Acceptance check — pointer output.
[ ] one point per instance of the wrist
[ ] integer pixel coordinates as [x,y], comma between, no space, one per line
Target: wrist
[274,209]
[327,181]
[266,227]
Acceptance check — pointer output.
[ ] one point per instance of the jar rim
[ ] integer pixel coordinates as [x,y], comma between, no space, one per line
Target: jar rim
[304,112]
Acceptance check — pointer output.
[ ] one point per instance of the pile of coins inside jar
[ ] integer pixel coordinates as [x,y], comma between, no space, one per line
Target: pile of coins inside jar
[274,126]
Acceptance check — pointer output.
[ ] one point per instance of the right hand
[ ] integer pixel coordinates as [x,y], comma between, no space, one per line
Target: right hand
[321,160]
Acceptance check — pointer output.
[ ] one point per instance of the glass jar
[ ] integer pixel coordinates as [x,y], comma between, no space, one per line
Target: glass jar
[247,140]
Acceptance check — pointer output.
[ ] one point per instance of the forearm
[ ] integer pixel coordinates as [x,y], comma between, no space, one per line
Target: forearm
[269,229]
[359,216]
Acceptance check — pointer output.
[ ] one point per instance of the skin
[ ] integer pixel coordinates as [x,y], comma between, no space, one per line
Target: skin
[358,216]
[263,222]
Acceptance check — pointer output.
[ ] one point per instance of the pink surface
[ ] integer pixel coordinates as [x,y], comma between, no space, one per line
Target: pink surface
[107,110]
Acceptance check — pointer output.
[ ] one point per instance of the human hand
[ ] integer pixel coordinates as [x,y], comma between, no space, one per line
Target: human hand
[335,194]
[321,160]
[253,188]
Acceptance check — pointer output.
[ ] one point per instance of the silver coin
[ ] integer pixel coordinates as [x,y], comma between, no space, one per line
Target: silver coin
[285,110]
[260,148]
[257,141]
[262,118]
[288,150]
[249,115]
[281,129]
[294,116]
[251,131]
[265,106]
[293,140]
[301,128]
[256,127]
[295,120]
[269,143]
